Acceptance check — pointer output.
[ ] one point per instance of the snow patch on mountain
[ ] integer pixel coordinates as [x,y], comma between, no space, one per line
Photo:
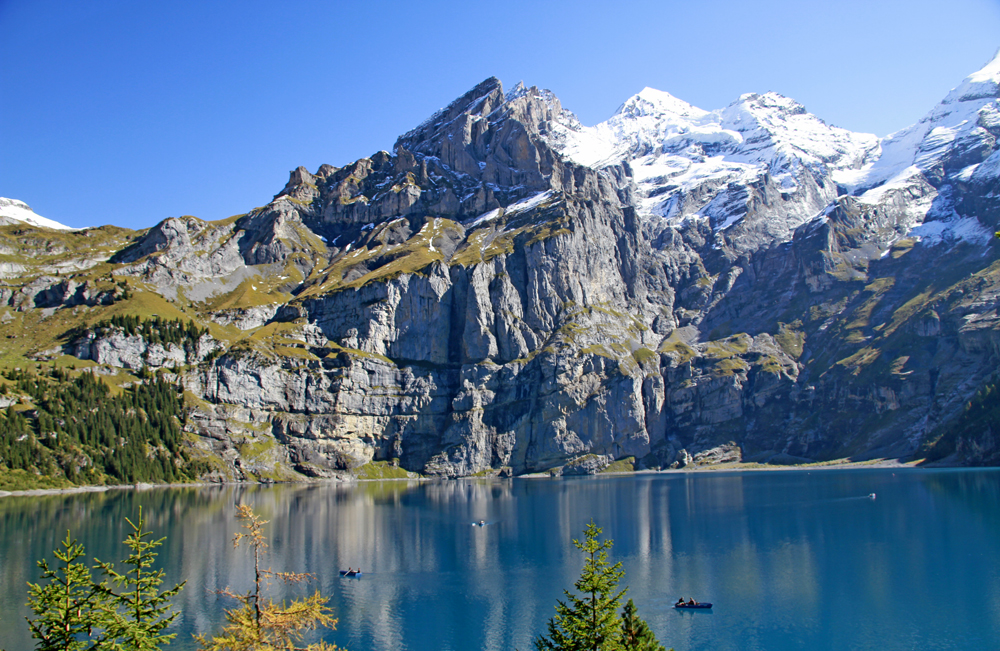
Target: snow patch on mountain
[649,119]
[951,229]
[19,211]
[960,123]
[529,203]
[949,143]
[982,84]
[688,163]
[523,205]
[988,170]
[674,149]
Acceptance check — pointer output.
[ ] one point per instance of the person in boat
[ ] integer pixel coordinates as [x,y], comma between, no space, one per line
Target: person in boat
[680,602]
[692,602]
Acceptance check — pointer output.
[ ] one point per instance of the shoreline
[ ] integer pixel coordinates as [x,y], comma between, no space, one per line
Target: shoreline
[839,464]
[101,489]
[742,466]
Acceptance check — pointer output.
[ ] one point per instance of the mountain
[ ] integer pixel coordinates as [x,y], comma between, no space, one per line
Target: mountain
[508,291]
[12,211]
[684,160]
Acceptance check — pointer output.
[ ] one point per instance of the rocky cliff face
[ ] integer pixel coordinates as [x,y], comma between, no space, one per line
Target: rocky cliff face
[508,291]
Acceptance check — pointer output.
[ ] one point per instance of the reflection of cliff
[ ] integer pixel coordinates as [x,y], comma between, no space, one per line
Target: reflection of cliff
[415,541]
[785,554]
[974,493]
[33,526]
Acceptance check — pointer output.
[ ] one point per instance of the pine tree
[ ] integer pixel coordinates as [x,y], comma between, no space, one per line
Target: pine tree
[636,634]
[258,623]
[140,611]
[69,606]
[590,621]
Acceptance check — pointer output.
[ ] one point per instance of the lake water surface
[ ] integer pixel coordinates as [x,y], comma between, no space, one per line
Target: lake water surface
[791,559]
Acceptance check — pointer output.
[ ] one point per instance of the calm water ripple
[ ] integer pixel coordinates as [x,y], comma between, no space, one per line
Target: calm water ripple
[792,559]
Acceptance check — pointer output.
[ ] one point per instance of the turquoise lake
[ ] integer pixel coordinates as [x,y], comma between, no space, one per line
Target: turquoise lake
[791,559]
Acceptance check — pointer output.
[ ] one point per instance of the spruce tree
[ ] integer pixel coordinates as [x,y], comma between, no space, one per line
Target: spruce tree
[139,611]
[636,634]
[68,605]
[589,621]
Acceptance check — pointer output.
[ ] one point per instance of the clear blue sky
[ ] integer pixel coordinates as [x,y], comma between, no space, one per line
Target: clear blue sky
[127,112]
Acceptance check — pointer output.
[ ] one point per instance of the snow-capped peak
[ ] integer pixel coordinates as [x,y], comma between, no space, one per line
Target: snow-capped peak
[961,122]
[954,142]
[673,148]
[652,102]
[777,128]
[688,163]
[753,130]
[19,211]
[982,84]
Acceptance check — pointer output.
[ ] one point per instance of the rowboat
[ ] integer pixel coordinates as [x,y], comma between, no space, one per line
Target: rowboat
[351,573]
[693,606]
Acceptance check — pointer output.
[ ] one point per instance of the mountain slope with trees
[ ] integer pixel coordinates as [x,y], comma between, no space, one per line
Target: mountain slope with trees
[508,291]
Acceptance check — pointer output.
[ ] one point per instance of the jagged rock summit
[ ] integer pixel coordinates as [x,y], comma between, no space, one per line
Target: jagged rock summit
[508,291]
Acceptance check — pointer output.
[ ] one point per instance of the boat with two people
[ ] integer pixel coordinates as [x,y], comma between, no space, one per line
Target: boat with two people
[692,604]
[351,572]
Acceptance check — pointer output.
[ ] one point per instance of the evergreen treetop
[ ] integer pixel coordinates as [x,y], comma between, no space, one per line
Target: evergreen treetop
[636,634]
[589,621]
[75,613]
[142,611]
[66,601]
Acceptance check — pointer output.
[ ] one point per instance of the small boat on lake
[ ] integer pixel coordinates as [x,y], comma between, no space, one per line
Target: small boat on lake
[355,573]
[695,606]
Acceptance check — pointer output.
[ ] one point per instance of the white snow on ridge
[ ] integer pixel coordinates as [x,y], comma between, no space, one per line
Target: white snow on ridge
[983,83]
[958,120]
[955,126]
[686,161]
[936,232]
[988,170]
[673,147]
[757,129]
[647,119]
[778,130]
[485,217]
[521,206]
[18,210]
[528,203]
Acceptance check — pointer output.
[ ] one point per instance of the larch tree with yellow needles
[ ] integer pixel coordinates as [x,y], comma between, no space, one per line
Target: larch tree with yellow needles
[260,624]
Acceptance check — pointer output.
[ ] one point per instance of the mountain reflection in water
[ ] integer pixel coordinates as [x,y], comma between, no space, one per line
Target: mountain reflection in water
[792,559]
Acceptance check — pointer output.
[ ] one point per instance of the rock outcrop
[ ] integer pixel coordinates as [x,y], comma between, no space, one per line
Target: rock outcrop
[508,291]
